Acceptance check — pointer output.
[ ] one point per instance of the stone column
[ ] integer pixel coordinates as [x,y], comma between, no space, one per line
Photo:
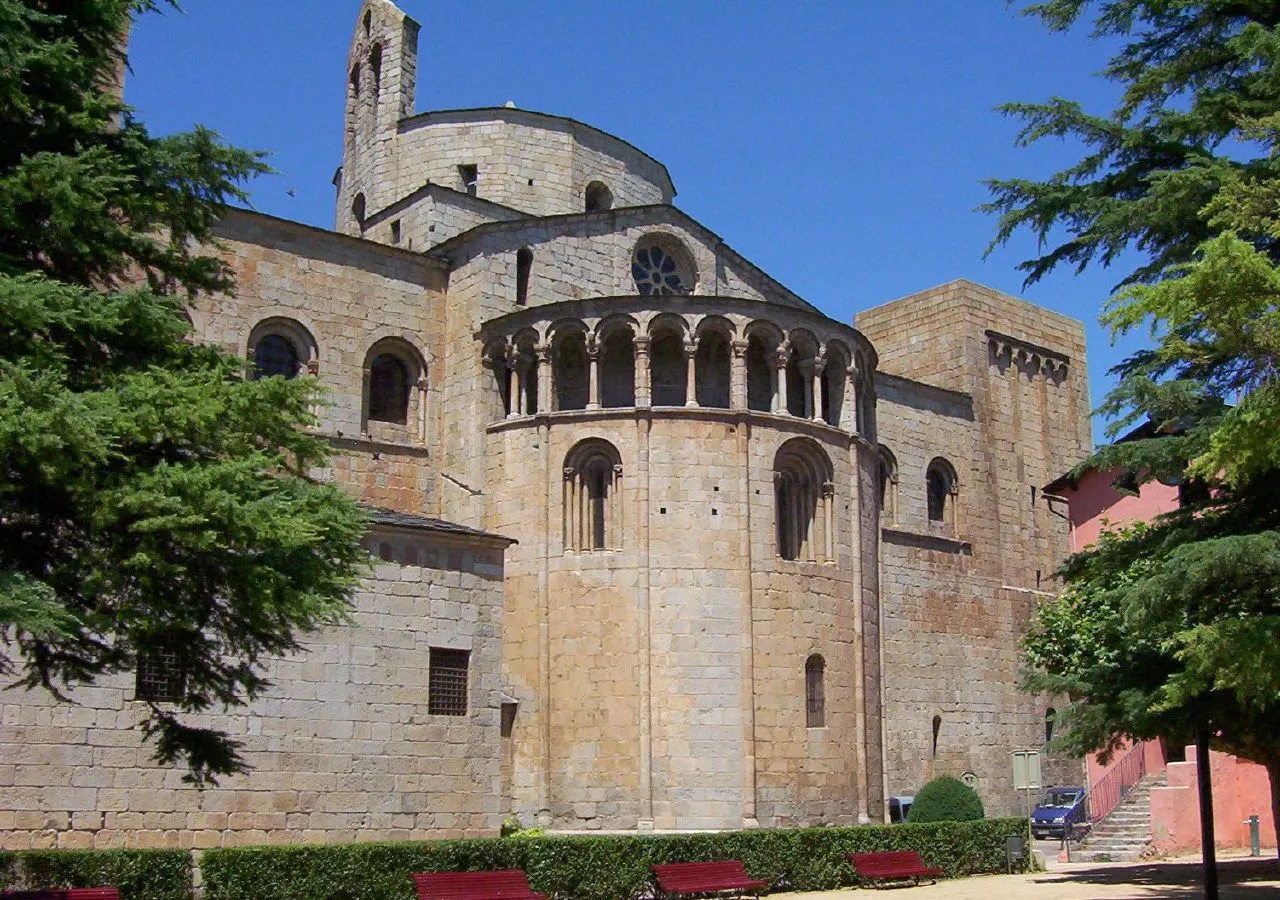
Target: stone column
[644,392]
[593,380]
[542,366]
[780,378]
[818,364]
[738,375]
[422,409]
[691,378]
[516,399]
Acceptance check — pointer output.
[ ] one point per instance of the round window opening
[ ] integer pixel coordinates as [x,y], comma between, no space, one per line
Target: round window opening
[657,271]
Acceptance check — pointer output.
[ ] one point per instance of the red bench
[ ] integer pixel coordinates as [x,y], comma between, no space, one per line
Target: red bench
[727,878]
[892,865]
[503,884]
[98,893]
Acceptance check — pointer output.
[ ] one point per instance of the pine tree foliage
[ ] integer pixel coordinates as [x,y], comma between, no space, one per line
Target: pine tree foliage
[152,496]
[1173,627]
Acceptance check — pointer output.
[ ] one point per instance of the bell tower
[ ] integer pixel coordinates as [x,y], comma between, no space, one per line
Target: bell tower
[382,71]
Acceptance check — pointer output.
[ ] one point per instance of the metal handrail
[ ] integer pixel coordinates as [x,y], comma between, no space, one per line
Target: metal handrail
[1109,791]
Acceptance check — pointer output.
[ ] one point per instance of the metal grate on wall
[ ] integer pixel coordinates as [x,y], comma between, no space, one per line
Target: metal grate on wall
[447,682]
[161,675]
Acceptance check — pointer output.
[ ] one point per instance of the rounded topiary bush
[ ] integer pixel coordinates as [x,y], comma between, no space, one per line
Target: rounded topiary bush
[946,799]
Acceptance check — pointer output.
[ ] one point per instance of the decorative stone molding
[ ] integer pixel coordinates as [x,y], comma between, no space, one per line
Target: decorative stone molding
[1008,351]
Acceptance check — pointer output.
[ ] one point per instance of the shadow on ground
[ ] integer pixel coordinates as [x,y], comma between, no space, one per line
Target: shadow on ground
[1235,876]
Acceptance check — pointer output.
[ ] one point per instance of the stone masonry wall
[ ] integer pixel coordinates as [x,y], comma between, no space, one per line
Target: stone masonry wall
[534,163]
[347,295]
[342,745]
[665,680]
[956,600]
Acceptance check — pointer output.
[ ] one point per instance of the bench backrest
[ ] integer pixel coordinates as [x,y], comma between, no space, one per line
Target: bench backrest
[677,875]
[97,893]
[464,885]
[887,859]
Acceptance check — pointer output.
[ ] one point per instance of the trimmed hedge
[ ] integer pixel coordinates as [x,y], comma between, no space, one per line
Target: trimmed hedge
[139,874]
[595,868]
[946,799]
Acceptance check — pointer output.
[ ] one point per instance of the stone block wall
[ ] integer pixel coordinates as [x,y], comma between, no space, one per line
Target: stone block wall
[536,163]
[347,295]
[956,599]
[342,745]
[674,662]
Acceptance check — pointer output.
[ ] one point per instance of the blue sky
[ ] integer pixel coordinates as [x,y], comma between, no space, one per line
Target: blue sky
[839,145]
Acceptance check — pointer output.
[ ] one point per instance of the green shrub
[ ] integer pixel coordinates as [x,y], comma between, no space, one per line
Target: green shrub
[946,799]
[595,868]
[139,874]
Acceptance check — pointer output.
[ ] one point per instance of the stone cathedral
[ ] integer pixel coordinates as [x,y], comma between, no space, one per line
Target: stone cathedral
[658,545]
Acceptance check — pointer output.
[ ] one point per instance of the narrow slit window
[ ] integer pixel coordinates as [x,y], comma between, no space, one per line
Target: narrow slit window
[524,266]
[815,699]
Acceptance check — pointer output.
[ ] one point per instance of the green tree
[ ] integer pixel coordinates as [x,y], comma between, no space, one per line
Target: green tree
[152,497]
[1172,629]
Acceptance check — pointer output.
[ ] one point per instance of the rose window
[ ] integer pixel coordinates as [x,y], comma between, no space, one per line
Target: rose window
[656,271]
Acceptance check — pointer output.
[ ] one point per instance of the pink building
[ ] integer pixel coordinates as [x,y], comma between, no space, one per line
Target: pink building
[1240,788]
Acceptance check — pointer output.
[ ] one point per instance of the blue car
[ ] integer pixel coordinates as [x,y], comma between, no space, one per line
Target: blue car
[1061,807]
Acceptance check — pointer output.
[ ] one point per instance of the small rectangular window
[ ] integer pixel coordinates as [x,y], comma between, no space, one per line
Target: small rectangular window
[395,232]
[447,682]
[161,676]
[470,176]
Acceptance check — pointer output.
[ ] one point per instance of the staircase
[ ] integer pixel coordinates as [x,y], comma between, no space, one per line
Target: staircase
[1123,835]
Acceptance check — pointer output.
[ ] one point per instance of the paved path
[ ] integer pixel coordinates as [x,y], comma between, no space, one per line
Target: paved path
[1239,879]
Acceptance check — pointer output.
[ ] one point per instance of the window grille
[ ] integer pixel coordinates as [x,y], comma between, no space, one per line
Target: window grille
[161,675]
[447,683]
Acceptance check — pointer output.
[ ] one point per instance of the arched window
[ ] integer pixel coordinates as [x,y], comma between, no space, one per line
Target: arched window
[592,505]
[888,486]
[804,496]
[388,390]
[275,355]
[598,197]
[395,386]
[937,727]
[524,265]
[834,376]
[711,368]
[368,22]
[1050,715]
[760,373]
[569,370]
[805,361]
[668,368]
[280,346]
[661,265]
[941,487]
[814,696]
[358,209]
[355,80]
